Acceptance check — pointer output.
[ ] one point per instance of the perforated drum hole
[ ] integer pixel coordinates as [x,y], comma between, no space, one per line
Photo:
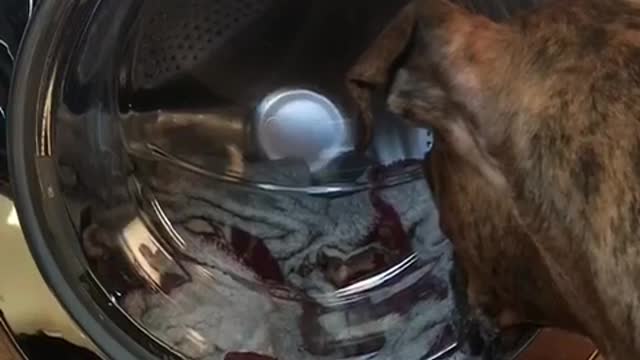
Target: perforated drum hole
[191,30]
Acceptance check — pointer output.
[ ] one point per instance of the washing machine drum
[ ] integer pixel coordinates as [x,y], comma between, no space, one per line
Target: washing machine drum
[190,179]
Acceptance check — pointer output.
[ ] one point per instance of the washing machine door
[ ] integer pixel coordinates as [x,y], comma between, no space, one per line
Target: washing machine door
[190,178]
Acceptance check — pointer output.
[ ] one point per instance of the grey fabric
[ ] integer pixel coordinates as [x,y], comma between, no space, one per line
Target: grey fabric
[226,307]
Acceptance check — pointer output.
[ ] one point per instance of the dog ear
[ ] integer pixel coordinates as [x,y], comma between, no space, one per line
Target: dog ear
[451,78]
[458,62]
[373,68]
[465,49]
[435,14]
[449,37]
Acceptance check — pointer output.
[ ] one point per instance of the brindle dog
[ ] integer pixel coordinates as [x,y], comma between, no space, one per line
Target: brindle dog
[536,168]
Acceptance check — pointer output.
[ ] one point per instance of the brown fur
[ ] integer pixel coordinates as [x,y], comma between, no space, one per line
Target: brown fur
[537,168]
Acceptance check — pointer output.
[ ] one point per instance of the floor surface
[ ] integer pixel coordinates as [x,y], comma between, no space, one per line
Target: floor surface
[25,299]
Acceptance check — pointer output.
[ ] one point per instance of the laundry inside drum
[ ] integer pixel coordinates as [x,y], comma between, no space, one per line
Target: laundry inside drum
[224,205]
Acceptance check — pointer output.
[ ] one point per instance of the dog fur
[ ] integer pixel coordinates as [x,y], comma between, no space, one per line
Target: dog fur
[536,168]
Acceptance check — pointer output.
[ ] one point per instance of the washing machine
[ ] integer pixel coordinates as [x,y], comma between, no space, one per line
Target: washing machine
[192,181]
